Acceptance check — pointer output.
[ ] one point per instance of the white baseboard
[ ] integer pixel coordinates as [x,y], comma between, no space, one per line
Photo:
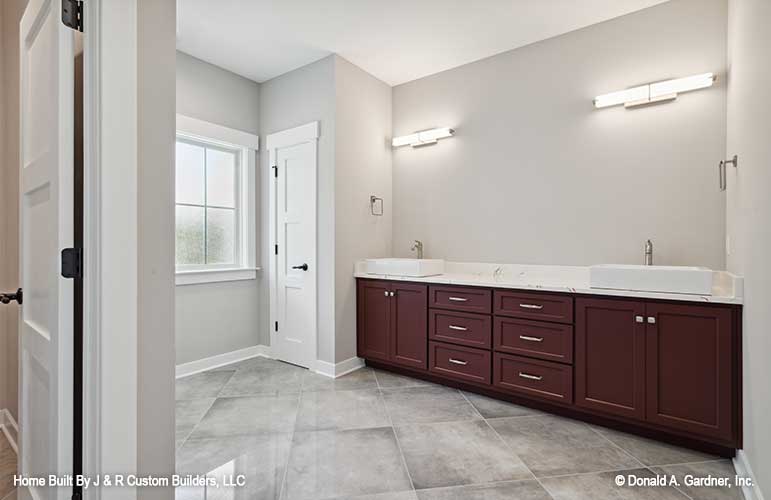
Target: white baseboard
[10,428]
[334,370]
[742,466]
[201,365]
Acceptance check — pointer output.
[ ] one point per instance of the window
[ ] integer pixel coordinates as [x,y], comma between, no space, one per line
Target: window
[214,203]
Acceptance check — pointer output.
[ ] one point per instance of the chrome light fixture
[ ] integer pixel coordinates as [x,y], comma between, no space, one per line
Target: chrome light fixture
[422,138]
[654,92]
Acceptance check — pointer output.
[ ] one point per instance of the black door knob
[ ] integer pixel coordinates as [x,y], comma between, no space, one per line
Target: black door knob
[7,298]
[304,267]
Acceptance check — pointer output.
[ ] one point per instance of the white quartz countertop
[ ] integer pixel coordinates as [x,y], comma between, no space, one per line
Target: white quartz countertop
[727,288]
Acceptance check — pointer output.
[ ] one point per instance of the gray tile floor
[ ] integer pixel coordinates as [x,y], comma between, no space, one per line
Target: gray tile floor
[374,435]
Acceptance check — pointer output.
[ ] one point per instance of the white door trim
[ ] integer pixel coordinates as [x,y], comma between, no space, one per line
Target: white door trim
[290,137]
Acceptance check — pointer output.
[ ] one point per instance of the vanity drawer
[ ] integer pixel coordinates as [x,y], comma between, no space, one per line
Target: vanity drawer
[473,330]
[536,339]
[461,363]
[533,377]
[538,306]
[460,298]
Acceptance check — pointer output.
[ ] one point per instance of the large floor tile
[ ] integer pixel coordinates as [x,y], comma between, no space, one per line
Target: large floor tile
[270,377]
[719,469]
[602,486]
[514,490]
[188,413]
[247,364]
[363,378]
[261,458]
[457,453]
[248,415]
[202,385]
[389,380]
[327,410]
[652,452]
[426,405]
[552,446]
[495,408]
[329,464]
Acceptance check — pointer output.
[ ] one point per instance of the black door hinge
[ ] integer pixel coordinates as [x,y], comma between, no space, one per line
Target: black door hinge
[276,249]
[275,171]
[72,263]
[276,325]
[72,14]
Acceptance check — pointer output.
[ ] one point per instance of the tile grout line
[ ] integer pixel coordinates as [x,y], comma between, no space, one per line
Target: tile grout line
[396,437]
[616,445]
[291,441]
[471,404]
[677,488]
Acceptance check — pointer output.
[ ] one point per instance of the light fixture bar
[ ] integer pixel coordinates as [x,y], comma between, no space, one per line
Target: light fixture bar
[654,92]
[422,138]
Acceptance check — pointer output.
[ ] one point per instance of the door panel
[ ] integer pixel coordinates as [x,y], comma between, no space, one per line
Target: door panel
[610,356]
[46,227]
[374,320]
[295,340]
[689,367]
[409,325]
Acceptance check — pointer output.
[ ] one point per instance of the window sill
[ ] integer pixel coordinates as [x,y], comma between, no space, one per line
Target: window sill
[216,276]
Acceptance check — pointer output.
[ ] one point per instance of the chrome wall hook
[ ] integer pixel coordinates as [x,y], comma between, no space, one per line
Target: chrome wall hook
[722,170]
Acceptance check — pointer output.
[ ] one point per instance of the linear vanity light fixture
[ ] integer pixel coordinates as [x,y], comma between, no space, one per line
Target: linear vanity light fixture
[422,138]
[654,92]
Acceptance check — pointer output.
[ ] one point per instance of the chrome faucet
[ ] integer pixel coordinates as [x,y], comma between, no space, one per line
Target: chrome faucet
[419,247]
[649,253]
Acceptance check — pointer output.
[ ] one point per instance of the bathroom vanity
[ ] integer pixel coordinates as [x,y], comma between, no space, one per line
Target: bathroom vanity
[667,368]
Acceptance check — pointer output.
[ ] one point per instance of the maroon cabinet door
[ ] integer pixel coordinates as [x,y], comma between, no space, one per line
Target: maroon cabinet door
[610,356]
[689,369]
[374,320]
[409,325]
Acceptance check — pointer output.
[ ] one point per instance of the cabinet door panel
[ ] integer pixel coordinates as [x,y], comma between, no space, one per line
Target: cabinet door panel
[610,357]
[409,320]
[374,317]
[689,369]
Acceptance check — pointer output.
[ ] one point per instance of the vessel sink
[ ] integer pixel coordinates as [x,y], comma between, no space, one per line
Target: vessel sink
[416,268]
[666,279]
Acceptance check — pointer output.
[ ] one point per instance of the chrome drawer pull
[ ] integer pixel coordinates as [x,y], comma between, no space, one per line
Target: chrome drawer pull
[458,299]
[531,339]
[529,377]
[459,328]
[530,306]
[458,362]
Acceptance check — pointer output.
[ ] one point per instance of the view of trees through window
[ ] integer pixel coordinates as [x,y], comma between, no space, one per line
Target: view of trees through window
[206,205]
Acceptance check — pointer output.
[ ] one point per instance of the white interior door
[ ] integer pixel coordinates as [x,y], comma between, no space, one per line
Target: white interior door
[294,273]
[46,227]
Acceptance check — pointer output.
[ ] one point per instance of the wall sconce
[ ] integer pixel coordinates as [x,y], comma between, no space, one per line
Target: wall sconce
[422,138]
[654,92]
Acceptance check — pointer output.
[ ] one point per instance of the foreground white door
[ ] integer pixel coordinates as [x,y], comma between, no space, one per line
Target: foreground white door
[46,226]
[293,269]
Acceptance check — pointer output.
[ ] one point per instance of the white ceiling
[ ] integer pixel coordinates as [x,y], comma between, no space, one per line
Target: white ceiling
[395,40]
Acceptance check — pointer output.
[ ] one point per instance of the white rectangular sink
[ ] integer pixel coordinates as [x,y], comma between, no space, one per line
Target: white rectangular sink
[416,268]
[665,279]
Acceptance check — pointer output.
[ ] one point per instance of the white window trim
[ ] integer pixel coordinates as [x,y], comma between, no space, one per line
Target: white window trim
[199,130]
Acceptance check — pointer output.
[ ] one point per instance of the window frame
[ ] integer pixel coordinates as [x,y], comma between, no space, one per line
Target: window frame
[210,135]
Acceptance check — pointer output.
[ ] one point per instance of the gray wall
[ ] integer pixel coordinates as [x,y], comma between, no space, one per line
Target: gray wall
[362,168]
[749,214]
[156,42]
[228,312]
[296,98]
[11,12]
[537,175]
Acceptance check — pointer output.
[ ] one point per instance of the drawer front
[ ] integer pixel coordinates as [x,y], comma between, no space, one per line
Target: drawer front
[459,298]
[462,363]
[533,377]
[538,306]
[535,339]
[473,330]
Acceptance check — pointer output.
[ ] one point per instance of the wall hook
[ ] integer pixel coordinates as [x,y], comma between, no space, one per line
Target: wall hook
[722,170]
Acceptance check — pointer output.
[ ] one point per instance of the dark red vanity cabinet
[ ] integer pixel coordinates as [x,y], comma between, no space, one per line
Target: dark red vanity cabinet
[689,368]
[610,356]
[393,322]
